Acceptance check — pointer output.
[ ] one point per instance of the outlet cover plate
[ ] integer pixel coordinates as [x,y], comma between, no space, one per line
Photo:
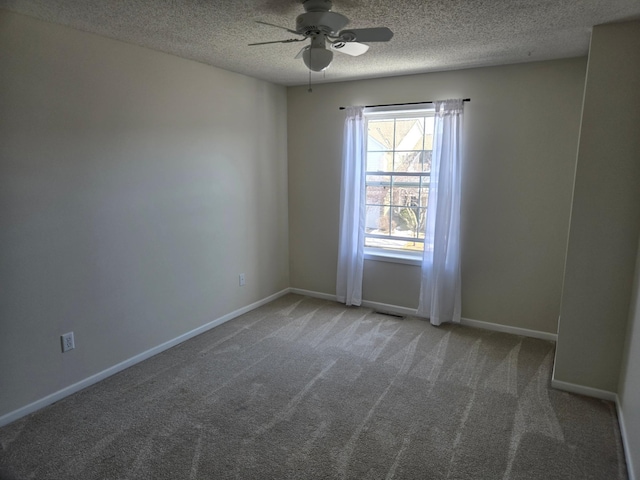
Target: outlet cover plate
[68,342]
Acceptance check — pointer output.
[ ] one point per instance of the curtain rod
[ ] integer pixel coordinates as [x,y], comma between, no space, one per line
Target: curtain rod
[401,104]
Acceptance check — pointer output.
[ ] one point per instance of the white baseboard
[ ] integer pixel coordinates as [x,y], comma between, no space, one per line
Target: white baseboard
[65,392]
[311,293]
[382,307]
[625,442]
[396,309]
[496,327]
[582,390]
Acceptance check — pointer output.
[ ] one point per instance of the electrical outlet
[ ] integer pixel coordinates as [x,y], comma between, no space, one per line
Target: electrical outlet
[241,279]
[68,343]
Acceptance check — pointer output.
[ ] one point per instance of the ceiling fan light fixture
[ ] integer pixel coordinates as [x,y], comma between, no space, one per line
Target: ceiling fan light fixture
[324,28]
[317,59]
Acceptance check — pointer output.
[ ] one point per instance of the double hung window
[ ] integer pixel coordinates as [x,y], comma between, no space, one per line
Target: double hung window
[398,169]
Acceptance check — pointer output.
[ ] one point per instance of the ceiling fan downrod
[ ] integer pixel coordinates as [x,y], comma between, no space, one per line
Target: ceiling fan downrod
[319,19]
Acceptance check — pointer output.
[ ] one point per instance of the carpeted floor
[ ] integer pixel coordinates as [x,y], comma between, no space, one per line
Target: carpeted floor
[308,389]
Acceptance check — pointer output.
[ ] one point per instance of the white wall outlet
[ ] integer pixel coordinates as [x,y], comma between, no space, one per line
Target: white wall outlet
[68,343]
[241,279]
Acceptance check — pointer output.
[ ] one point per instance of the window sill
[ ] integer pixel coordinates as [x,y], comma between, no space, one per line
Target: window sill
[379,255]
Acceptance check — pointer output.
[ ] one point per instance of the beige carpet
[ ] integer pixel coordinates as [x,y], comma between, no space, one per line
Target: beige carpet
[308,389]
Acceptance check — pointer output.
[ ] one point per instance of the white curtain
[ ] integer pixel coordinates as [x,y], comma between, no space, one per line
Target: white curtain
[440,284]
[352,209]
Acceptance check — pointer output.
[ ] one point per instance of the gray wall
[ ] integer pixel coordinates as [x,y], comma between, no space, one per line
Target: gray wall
[605,216]
[630,378]
[599,332]
[521,134]
[134,187]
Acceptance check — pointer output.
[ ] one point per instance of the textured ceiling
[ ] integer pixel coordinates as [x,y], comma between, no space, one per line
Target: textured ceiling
[429,35]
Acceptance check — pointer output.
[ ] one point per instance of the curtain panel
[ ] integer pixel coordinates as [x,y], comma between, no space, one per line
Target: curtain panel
[352,209]
[440,298]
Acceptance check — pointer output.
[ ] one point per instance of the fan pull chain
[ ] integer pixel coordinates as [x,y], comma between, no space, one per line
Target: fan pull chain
[310,89]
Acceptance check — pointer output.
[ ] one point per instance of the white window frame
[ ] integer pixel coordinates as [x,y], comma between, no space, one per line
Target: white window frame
[387,254]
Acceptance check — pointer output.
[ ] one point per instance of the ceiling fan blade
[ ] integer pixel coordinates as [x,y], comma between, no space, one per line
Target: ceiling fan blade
[350,48]
[378,34]
[277,26]
[279,41]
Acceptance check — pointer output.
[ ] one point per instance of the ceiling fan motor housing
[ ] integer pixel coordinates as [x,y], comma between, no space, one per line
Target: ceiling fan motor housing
[314,23]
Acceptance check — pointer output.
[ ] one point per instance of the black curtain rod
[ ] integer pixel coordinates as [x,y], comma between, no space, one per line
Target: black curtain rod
[401,104]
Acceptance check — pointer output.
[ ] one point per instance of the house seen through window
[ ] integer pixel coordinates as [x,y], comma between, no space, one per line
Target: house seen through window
[398,172]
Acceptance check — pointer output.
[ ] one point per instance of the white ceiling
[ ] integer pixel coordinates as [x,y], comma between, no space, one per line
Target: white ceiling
[429,35]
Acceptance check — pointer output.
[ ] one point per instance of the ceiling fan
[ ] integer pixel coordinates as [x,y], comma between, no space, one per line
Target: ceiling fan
[324,27]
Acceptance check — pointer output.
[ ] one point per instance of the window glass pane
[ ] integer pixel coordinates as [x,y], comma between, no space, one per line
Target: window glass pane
[414,246]
[408,161]
[380,135]
[392,244]
[377,220]
[407,196]
[377,195]
[421,216]
[379,161]
[409,134]
[424,196]
[370,242]
[406,221]
[426,160]
[428,128]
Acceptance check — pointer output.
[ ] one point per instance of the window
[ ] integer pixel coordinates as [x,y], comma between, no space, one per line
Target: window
[398,169]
